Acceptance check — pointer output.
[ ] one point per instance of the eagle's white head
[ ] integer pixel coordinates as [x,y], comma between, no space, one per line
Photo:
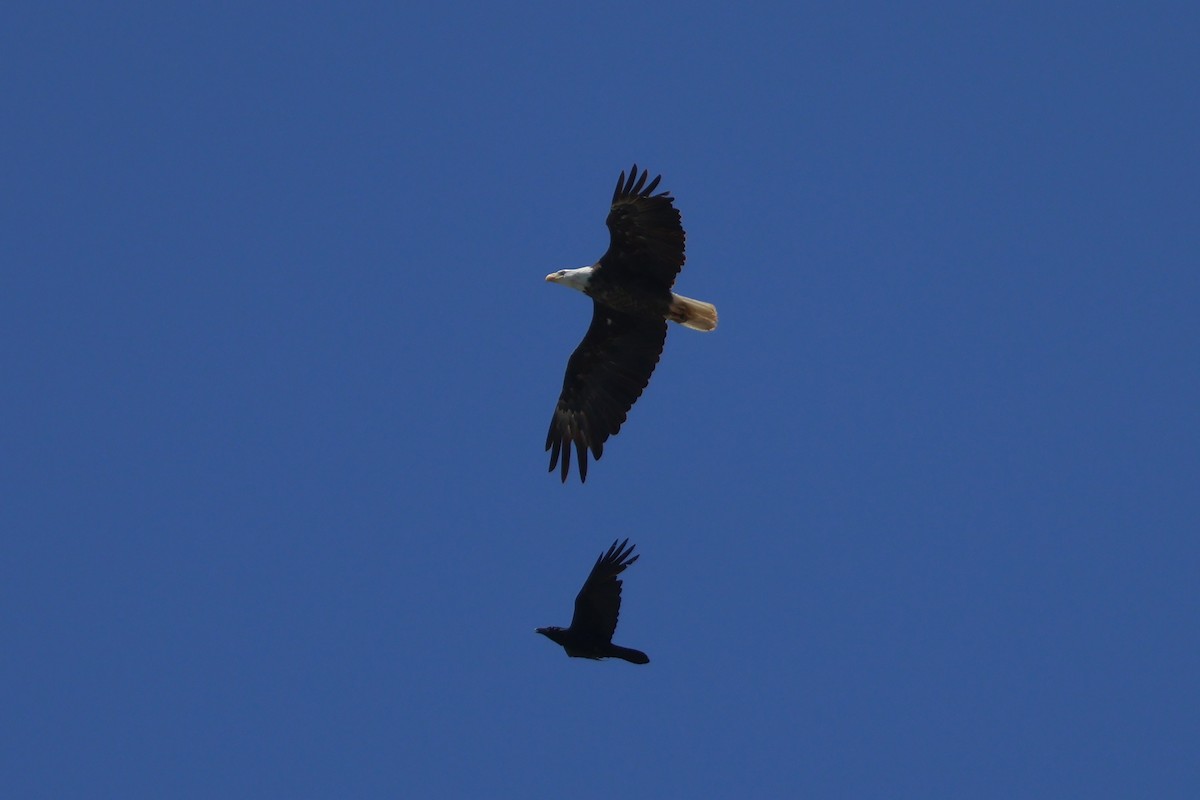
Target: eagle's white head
[574,278]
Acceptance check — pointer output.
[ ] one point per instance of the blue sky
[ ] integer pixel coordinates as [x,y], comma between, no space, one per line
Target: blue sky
[918,520]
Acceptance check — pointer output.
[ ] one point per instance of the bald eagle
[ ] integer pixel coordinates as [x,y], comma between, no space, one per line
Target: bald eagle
[632,301]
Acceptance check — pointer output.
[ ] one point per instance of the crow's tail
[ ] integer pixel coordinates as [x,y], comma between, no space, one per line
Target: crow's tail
[629,654]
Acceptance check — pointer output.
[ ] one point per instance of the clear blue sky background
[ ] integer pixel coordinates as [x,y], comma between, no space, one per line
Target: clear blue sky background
[919,520]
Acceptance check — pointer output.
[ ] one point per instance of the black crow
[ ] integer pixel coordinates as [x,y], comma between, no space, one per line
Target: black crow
[596,609]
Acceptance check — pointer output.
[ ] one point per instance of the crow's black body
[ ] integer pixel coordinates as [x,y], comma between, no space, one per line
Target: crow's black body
[597,607]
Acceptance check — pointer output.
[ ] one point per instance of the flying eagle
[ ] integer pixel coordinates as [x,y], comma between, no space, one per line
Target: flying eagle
[597,607]
[632,301]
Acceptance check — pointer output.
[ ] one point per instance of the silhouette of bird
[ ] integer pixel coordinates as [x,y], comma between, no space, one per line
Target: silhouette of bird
[632,301]
[597,607]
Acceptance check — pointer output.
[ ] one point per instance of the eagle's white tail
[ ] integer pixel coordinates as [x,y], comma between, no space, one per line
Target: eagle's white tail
[694,314]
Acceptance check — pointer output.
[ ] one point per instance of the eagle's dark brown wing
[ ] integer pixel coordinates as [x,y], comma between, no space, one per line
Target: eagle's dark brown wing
[605,375]
[646,239]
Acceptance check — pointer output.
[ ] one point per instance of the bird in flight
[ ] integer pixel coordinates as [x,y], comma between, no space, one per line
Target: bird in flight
[632,301]
[596,609]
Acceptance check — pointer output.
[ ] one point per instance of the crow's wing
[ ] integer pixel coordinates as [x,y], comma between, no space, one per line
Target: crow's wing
[599,601]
